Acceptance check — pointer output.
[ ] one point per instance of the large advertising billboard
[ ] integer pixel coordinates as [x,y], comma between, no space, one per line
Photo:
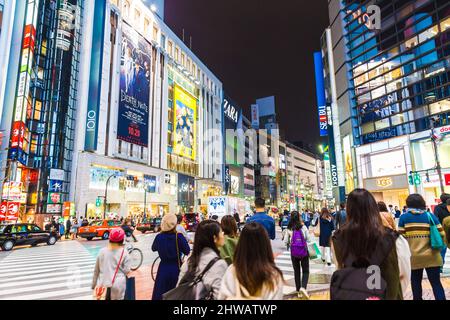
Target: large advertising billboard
[134,100]
[184,134]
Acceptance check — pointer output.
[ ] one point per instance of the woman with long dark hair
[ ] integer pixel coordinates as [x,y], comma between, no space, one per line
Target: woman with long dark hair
[364,238]
[326,230]
[297,238]
[230,229]
[208,239]
[253,274]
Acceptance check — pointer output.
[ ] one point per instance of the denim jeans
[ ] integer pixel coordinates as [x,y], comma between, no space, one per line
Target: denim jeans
[443,253]
[435,280]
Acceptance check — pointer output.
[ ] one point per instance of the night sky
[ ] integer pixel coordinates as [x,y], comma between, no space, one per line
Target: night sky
[259,48]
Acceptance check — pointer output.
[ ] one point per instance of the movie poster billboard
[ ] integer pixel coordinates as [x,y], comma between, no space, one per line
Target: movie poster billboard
[184,134]
[134,100]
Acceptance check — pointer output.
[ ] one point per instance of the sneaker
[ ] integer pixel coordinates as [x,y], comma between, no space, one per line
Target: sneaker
[304,293]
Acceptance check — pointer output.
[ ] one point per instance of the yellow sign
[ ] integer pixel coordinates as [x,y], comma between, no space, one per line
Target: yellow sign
[384,182]
[184,132]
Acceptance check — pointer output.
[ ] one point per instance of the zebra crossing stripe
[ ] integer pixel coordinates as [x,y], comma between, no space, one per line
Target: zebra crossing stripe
[28,265]
[34,281]
[65,284]
[5,278]
[53,295]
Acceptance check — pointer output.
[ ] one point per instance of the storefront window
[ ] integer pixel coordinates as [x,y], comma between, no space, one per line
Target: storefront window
[424,157]
[385,164]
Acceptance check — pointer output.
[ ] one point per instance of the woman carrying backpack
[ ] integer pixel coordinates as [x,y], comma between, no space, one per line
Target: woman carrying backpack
[362,243]
[253,274]
[417,226]
[205,258]
[297,237]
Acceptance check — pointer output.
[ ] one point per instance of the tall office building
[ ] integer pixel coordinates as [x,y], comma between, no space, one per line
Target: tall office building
[150,116]
[389,92]
[40,45]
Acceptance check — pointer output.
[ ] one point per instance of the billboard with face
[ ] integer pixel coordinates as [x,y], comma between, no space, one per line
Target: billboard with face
[184,133]
[134,97]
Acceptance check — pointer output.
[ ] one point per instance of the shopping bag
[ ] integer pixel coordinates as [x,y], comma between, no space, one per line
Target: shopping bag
[316,230]
[313,250]
[130,291]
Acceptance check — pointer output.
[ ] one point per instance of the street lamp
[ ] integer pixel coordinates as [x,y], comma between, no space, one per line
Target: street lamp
[106,193]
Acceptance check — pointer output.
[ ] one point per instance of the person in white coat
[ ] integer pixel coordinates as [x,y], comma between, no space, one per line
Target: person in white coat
[258,277]
[209,237]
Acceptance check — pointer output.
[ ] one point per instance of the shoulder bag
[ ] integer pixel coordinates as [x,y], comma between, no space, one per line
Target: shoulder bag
[104,293]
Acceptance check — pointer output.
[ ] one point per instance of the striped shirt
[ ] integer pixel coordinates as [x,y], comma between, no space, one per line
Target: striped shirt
[415,227]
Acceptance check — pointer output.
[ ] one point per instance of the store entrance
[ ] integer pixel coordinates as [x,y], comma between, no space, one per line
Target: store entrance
[136,211]
[392,197]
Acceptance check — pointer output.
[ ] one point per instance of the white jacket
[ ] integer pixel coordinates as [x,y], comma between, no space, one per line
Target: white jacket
[213,276]
[230,286]
[288,235]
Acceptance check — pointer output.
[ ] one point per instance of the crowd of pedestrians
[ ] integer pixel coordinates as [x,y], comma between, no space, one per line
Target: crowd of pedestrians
[227,263]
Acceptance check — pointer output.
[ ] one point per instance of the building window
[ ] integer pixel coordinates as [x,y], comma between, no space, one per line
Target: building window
[146,26]
[137,15]
[177,52]
[120,147]
[182,59]
[155,33]
[131,149]
[163,41]
[170,48]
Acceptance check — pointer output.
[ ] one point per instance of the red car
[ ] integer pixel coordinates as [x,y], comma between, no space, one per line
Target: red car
[98,229]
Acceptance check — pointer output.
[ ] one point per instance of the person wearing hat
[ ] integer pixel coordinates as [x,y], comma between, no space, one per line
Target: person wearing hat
[170,246]
[112,266]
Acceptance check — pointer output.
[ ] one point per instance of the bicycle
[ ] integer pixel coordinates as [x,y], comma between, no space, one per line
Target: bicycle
[136,255]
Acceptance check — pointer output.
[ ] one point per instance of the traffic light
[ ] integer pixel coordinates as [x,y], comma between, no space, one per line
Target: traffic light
[98,202]
[417,179]
[411,179]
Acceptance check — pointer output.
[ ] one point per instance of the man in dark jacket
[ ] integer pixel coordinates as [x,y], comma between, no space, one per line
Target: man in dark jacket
[68,227]
[441,212]
[341,217]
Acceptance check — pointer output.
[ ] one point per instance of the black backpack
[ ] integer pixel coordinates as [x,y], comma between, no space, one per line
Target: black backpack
[352,283]
[191,287]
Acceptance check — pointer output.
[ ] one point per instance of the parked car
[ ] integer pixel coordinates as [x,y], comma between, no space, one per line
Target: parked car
[20,234]
[152,224]
[190,221]
[98,229]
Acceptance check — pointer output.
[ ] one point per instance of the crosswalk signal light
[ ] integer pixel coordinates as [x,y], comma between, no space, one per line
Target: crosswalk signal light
[411,179]
[98,202]
[417,179]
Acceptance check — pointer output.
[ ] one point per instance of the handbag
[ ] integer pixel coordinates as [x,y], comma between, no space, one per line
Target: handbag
[178,251]
[191,287]
[316,230]
[436,241]
[104,293]
[130,291]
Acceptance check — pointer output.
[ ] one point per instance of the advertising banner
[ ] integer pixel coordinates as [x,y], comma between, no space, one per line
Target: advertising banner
[218,206]
[447,179]
[150,183]
[184,133]
[54,208]
[255,116]
[56,174]
[54,198]
[69,209]
[320,93]
[134,100]
[13,211]
[55,186]
[12,191]
[3,210]
[95,79]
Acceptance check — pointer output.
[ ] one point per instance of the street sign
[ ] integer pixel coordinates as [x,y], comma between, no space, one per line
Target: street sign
[13,211]
[447,179]
[54,198]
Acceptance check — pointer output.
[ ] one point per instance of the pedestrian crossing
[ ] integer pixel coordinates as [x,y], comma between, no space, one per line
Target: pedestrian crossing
[284,263]
[60,272]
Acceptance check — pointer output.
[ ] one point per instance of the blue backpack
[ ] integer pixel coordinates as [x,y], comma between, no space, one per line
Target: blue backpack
[299,247]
